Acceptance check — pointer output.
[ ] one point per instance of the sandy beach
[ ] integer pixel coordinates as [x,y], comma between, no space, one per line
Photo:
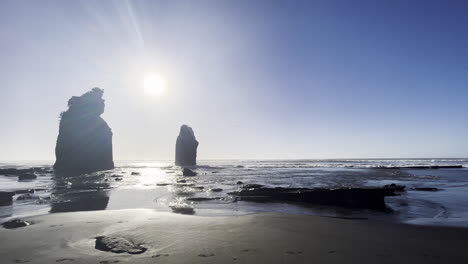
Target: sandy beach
[255,238]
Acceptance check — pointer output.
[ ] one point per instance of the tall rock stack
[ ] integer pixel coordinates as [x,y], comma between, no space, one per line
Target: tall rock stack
[84,143]
[186,147]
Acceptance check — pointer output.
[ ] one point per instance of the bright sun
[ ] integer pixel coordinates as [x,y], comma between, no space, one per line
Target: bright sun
[154,85]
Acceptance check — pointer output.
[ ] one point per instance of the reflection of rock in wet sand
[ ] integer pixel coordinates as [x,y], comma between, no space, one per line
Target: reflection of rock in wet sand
[80,193]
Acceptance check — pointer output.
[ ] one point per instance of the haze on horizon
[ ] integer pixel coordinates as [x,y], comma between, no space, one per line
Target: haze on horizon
[254,79]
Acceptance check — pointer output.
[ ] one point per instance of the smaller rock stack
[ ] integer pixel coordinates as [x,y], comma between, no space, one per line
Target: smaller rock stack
[186,147]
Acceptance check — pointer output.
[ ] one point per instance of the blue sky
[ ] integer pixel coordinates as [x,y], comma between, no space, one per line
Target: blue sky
[255,79]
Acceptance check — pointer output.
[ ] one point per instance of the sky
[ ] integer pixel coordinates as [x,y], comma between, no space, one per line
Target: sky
[255,79]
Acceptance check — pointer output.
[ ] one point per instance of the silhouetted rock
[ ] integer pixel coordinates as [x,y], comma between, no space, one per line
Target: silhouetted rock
[370,198]
[186,147]
[6,198]
[27,177]
[426,167]
[25,191]
[253,185]
[24,173]
[84,143]
[15,224]
[118,245]
[426,189]
[202,199]
[188,172]
[396,187]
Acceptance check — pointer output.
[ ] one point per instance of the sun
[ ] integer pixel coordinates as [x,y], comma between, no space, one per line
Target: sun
[154,85]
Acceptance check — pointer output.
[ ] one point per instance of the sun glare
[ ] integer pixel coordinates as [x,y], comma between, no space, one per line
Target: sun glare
[154,85]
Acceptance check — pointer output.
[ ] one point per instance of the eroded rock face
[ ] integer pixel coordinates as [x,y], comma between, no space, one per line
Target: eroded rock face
[84,143]
[186,147]
[118,245]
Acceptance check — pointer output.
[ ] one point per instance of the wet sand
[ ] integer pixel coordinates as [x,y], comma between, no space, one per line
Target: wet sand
[256,238]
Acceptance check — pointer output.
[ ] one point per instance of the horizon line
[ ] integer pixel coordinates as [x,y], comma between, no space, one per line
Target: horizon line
[252,159]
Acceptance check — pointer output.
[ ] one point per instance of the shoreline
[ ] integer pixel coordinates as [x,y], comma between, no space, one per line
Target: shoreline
[251,238]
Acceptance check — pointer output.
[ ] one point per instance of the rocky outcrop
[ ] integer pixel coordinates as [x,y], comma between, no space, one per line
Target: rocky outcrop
[84,143]
[369,198]
[186,147]
[426,189]
[118,245]
[27,177]
[426,167]
[6,198]
[188,172]
[15,224]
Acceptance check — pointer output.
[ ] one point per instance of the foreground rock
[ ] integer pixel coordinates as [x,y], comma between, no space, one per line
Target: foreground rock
[15,224]
[188,172]
[182,209]
[118,245]
[6,198]
[84,143]
[186,147]
[369,198]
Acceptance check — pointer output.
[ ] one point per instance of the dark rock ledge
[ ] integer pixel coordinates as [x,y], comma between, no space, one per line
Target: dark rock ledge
[365,197]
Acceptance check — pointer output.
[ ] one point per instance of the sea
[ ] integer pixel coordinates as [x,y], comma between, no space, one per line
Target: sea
[160,186]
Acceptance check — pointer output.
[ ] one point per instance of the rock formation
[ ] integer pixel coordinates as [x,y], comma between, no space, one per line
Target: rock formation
[366,197]
[15,224]
[84,143]
[186,147]
[118,245]
[6,198]
[188,172]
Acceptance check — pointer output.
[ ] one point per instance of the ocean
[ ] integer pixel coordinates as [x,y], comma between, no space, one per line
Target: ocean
[159,185]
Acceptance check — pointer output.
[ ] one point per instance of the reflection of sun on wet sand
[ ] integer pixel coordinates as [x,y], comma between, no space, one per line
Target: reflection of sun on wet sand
[256,238]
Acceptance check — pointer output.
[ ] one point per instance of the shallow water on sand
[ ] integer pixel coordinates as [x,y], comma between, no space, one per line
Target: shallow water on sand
[160,186]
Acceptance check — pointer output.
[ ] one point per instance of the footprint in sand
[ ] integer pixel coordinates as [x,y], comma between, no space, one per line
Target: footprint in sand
[249,250]
[160,255]
[64,259]
[20,261]
[293,252]
[108,261]
[206,255]
[331,251]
